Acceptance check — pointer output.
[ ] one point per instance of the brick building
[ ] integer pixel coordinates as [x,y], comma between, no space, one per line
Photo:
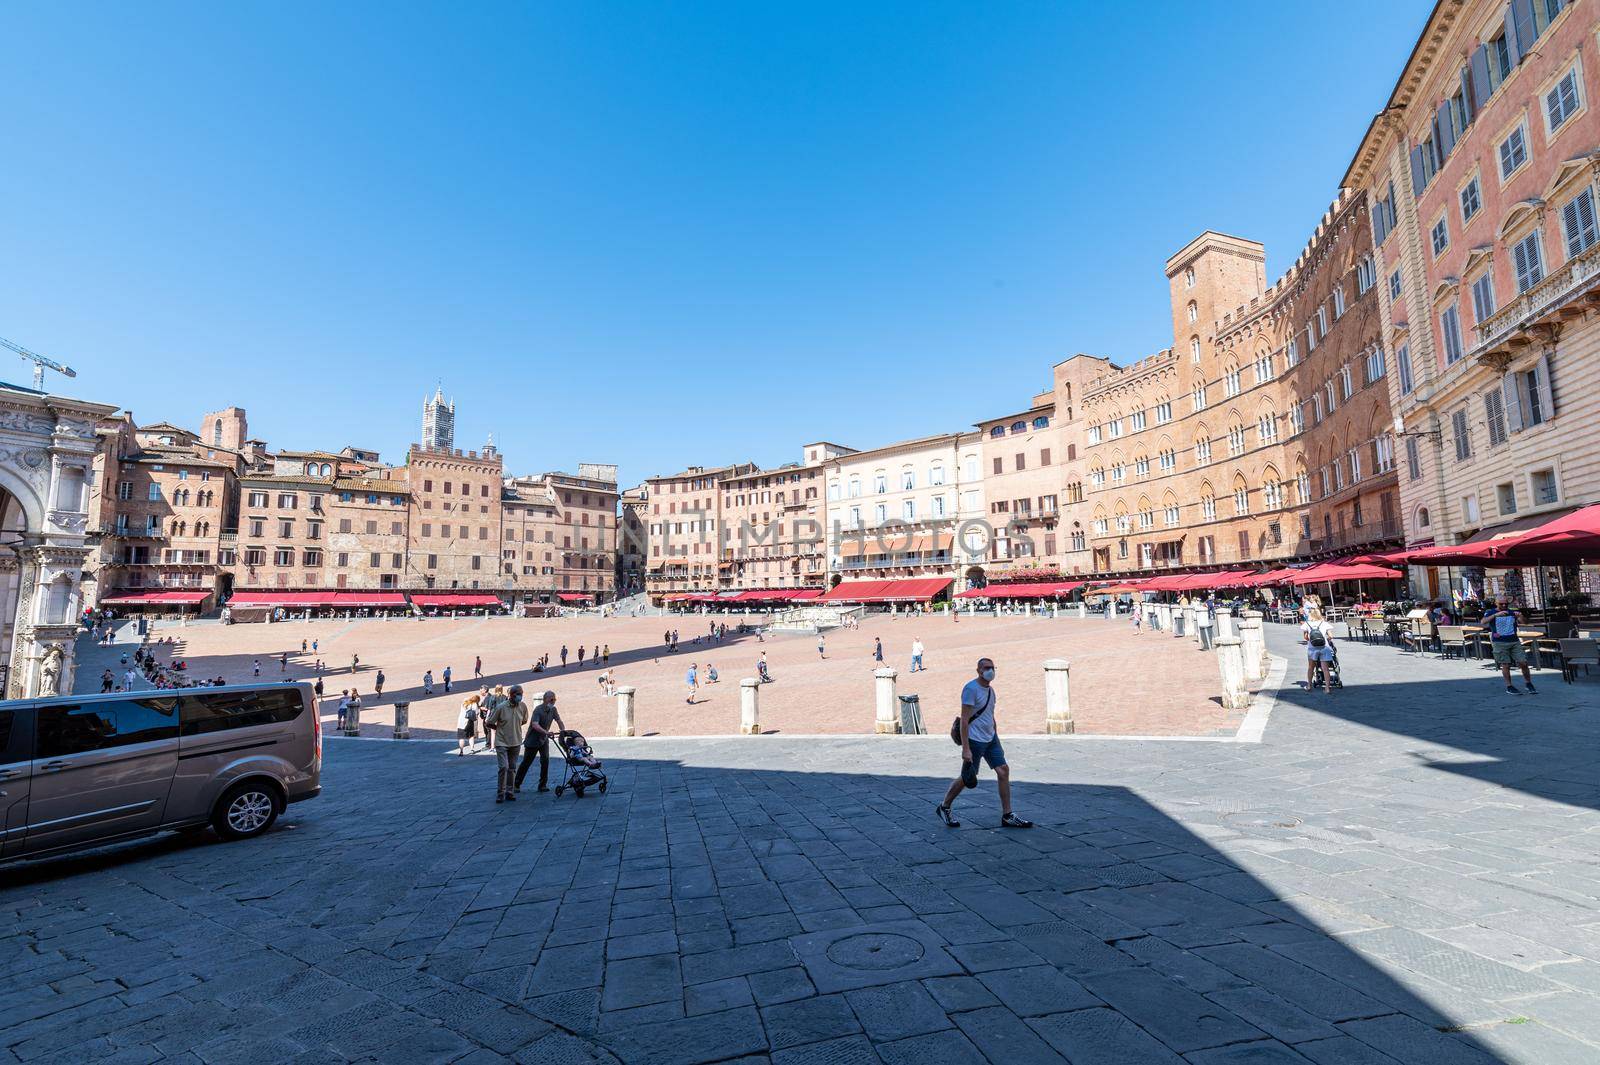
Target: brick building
[453,513]
[773,527]
[682,528]
[560,532]
[1482,172]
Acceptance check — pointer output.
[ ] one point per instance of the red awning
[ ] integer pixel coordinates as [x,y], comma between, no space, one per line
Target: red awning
[568,597]
[1332,571]
[904,590]
[163,596]
[455,599]
[331,597]
[1261,580]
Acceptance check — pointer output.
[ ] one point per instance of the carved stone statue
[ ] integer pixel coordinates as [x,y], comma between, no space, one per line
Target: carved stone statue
[50,670]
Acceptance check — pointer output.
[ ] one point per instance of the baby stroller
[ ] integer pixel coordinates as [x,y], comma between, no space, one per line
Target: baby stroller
[582,767]
[1332,668]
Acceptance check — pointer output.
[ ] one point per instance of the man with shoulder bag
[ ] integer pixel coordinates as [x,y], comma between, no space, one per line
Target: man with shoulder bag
[975,733]
[507,716]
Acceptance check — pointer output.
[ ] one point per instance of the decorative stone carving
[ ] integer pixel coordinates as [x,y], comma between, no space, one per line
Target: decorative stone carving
[50,667]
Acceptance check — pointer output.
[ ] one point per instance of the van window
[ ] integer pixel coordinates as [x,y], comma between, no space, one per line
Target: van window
[218,711]
[70,728]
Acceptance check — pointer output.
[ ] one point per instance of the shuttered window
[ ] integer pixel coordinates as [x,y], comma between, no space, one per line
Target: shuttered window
[1494,413]
[1482,298]
[1578,223]
[1562,101]
[1458,426]
[1402,360]
[1513,151]
[1471,200]
[1450,329]
[1528,259]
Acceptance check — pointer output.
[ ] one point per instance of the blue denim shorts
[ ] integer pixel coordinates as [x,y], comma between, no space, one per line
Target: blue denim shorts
[988,751]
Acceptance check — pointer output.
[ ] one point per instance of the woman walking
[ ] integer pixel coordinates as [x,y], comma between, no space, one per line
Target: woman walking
[467,725]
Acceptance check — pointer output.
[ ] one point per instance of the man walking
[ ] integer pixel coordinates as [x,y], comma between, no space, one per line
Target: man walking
[822,646]
[1502,623]
[537,741]
[377,685]
[477,667]
[508,716]
[916,655]
[877,650]
[693,684]
[980,739]
[445,676]
[563,656]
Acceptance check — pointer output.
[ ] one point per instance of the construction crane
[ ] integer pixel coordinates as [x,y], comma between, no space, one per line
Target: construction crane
[39,363]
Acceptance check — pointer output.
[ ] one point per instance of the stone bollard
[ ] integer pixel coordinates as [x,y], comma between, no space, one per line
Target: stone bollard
[1230,660]
[888,721]
[1055,610]
[1177,620]
[402,721]
[749,711]
[352,720]
[1254,647]
[1194,621]
[1083,609]
[625,711]
[1225,625]
[1058,697]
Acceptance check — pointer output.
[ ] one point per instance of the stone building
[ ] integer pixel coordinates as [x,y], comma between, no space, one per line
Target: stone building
[1481,169]
[438,423]
[681,529]
[909,509]
[367,528]
[165,506]
[773,527]
[560,533]
[48,449]
[453,517]
[633,539]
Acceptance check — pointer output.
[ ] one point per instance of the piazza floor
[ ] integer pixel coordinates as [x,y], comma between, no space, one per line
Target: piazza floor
[1123,682]
[1403,872]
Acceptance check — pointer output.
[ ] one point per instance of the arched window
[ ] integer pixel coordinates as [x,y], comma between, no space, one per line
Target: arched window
[1041,422]
[1422,517]
[1241,498]
[1194,350]
[1188,278]
[1019,427]
[998,430]
[1194,311]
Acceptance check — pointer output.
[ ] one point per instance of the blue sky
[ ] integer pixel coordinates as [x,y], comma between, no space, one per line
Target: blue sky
[650,234]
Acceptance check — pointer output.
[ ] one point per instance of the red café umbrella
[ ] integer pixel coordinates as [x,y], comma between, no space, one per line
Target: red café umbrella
[1570,538]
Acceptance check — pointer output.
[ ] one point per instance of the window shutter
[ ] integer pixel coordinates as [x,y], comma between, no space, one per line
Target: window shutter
[1513,405]
[1521,15]
[1481,86]
[1444,131]
[1513,47]
[1541,380]
[1469,105]
[1419,178]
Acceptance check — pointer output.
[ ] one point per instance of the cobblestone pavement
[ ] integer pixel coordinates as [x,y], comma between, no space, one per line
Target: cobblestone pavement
[810,694]
[1403,872]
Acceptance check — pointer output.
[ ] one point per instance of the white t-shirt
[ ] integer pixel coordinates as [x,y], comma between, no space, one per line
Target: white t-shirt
[916,647]
[980,727]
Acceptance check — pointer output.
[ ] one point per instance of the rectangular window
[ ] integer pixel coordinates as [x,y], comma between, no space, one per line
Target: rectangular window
[1402,359]
[1450,329]
[1544,487]
[1394,284]
[1413,458]
[1440,236]
[1338,303]
[1562,101]
[1483,298]
[1513,152]
[1527,256]
[1471,199]
[1578,223]
[1463,437]
[1505,497]
[1494,415]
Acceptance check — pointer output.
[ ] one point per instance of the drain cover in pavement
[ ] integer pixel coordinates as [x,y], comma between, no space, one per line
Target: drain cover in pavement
[843,959]
[876,950]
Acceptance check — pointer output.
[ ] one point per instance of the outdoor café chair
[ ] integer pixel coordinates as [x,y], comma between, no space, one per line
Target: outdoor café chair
[1576,653]
[1452,637]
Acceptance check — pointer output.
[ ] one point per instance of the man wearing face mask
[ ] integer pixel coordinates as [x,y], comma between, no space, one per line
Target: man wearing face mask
[979,739]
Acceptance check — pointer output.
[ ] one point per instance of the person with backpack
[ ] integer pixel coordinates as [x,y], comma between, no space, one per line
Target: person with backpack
[975,732]
[1317,635]
[1502,623]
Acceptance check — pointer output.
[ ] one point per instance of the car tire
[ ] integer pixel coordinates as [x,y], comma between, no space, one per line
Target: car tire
[245,810]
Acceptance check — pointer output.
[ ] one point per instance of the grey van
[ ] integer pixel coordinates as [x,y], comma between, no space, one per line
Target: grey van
[81,771]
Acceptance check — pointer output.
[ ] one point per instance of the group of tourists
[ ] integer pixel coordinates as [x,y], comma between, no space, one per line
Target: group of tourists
[517,734]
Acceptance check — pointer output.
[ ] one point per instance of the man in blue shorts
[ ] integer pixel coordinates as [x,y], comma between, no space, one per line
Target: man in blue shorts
[980,740]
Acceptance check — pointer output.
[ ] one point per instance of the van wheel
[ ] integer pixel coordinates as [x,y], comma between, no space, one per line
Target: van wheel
[245,810]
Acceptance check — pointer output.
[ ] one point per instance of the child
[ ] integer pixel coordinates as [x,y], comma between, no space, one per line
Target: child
[1138,620]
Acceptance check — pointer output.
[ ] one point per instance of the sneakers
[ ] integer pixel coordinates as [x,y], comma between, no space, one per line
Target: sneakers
[544,787]
[511,797]
[499,798]
[1512,689]
[1013,821]
[944,815]
[1531,689]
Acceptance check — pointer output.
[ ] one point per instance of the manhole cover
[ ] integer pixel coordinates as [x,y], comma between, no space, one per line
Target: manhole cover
[1261,819]
[875,950]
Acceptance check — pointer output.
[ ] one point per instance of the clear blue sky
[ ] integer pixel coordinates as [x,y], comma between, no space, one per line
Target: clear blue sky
[652,234]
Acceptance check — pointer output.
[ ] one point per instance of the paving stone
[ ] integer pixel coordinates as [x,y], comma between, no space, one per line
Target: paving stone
[1273,1015]
[810,1020]
[1100,1037]
[737,961]
[641,945]
[710,1037]
[939,1048]
[956,993]
[641,981]
[780,985]
[896,1011]
[853,1050]
[1179,1018]
[1415,1043]
[1343,1051]
[1002,1036]
[1306,988]
[1270,1052]
[841,959]
[1037,990]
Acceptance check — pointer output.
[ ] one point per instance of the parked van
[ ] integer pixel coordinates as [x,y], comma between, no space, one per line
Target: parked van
[81,771]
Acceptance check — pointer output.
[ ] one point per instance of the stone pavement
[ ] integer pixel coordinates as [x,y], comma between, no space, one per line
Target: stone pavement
[1404,872]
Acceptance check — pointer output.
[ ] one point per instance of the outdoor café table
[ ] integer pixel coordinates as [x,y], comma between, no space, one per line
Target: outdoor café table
[1527,637]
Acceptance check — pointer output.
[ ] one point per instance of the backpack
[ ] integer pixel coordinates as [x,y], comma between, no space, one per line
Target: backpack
[955,726]
[1314,634]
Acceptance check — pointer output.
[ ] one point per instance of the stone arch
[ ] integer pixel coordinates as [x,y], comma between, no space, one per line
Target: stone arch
[27,499]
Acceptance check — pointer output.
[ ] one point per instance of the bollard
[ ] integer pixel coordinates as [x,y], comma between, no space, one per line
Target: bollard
[1177,621]
[1225,627]
[1194,621]
[1058,698]
[1083,609]
[749,710]
[352,720]
[402,721]
[1254,648]
[887,721]
[625,711]
[1230,660]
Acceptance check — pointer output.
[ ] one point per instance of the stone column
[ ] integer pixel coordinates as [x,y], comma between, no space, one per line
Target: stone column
[625,711]
[1225,625]
[1254,646]
[749,712]
[1194,622]
[1230,660]
[888,720]
[1055,610]
[1057,698]
[1083,609]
